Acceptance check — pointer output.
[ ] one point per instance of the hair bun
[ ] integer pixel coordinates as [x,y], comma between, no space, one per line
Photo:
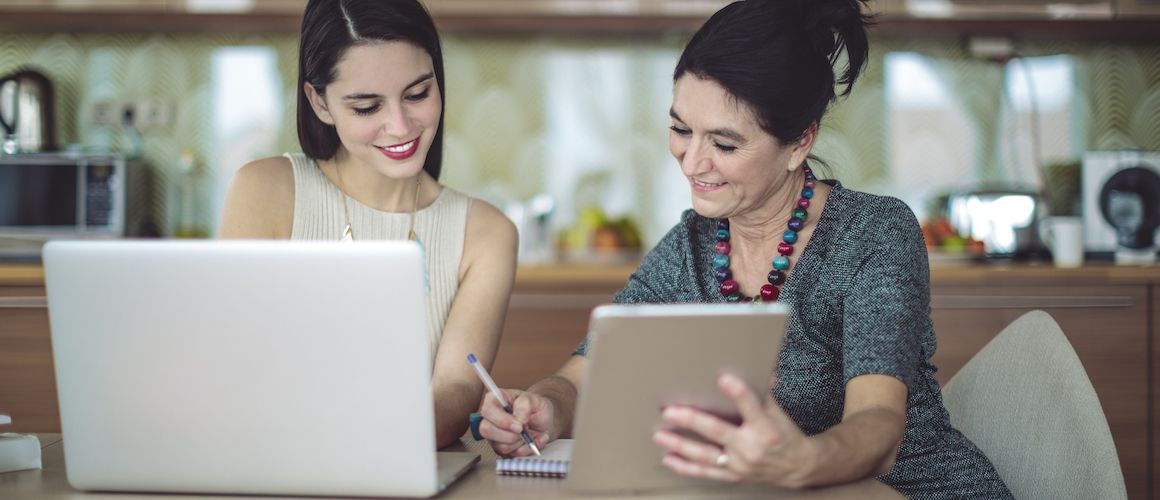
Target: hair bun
[836,25]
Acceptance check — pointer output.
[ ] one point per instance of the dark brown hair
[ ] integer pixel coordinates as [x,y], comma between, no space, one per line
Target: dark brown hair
[329,28]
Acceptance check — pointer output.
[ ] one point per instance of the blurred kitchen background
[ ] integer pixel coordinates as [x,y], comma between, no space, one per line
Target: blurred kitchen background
[557,110]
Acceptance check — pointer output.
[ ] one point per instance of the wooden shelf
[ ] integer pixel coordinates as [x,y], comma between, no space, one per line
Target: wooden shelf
[40,20]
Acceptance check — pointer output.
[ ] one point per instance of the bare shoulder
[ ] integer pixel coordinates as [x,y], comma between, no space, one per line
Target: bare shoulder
[490,235]
[488,225]
[260,200]
[274,172]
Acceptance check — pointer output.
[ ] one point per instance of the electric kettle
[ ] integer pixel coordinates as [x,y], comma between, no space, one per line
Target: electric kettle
[26,113]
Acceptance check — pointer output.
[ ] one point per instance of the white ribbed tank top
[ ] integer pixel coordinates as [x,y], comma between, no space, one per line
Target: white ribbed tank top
[440,227]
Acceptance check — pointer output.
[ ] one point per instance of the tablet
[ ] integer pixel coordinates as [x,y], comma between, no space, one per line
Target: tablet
[643,357]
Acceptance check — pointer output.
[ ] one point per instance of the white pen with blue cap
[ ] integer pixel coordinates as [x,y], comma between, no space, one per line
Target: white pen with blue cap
[507,406]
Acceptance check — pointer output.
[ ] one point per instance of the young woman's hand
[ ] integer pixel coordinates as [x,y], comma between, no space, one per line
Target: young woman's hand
[529,410]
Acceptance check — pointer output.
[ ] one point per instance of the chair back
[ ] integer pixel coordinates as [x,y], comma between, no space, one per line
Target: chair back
[1027,403]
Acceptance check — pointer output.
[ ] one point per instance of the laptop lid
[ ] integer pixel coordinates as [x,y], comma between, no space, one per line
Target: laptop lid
[243,366]
[643,357]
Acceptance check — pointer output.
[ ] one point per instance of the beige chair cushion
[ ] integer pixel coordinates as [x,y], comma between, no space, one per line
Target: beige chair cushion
[1026,401]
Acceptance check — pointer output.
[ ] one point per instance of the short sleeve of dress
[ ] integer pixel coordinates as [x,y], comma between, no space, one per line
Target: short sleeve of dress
[660,275]
[887,310]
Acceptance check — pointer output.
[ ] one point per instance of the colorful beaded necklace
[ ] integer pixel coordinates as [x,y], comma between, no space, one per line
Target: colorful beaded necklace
[769,291]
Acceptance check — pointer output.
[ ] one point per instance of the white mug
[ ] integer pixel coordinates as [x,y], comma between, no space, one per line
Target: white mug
[1064,236]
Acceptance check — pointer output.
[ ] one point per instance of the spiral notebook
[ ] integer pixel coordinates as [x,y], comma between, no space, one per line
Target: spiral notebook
[554,462]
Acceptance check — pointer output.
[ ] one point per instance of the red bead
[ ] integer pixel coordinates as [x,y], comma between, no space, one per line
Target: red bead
[729,287]
[769,293]
[784,248]
[723,247]
[804,203]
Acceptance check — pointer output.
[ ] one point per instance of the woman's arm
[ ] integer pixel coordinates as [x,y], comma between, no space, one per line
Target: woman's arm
[260,201]
[475,321]
[865,443]
[546,408]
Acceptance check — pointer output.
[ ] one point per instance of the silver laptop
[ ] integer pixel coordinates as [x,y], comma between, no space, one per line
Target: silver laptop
[245,367]
[643,357]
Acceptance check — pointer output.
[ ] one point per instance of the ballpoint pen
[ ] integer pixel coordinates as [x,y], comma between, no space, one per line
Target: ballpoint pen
[507,406]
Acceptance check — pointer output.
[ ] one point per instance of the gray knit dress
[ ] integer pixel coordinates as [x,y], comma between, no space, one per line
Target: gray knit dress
[860,301]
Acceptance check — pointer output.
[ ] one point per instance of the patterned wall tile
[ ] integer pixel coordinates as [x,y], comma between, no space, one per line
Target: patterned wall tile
[499,139]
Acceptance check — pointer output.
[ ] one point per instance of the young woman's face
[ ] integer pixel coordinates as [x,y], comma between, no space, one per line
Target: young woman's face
[385,105]
[734,166]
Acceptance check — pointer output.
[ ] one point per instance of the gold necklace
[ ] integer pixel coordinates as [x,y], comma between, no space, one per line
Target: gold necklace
[348,235]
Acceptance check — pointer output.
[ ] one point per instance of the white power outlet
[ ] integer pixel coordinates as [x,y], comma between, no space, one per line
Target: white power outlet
[152,112]
[105,112]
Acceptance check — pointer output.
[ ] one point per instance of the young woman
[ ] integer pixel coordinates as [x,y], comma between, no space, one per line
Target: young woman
[370,123]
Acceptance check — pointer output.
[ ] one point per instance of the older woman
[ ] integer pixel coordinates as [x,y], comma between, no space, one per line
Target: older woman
[854,394]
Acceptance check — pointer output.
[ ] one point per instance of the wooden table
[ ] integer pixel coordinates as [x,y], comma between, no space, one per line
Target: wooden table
[50,483]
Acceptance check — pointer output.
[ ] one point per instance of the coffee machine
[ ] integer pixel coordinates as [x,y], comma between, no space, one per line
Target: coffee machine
[26,113]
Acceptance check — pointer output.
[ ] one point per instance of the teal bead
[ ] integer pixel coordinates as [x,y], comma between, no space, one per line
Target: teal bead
[789,237]
[734,297]
[800,213]
[722,234]
[720,260]
[781,263]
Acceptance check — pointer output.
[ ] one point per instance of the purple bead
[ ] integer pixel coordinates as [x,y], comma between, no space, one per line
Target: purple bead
[784,248]
[795,224]
[811,183]
[723,223]
[804,203]
[776,278]
[729,287]
[722,274]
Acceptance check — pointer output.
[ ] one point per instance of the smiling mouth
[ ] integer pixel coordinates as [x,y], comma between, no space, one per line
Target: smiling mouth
[400,151]
[707,184]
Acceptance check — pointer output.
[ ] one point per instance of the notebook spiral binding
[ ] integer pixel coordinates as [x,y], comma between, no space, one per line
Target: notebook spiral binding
[531,467]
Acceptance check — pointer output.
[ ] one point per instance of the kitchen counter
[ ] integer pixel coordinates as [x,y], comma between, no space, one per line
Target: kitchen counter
[988,273]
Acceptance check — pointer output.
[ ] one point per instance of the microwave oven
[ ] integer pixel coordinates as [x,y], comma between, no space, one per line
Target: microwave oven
[47,196]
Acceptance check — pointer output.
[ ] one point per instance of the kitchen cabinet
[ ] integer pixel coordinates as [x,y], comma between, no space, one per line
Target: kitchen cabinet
[1128,9]
[89,5]
[992,10]
[27,381]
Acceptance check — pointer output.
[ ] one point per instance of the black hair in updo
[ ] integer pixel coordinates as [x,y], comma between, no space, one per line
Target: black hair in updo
[778,56]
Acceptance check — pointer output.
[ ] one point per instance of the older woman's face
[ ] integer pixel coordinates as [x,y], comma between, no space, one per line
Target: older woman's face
[734,167]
